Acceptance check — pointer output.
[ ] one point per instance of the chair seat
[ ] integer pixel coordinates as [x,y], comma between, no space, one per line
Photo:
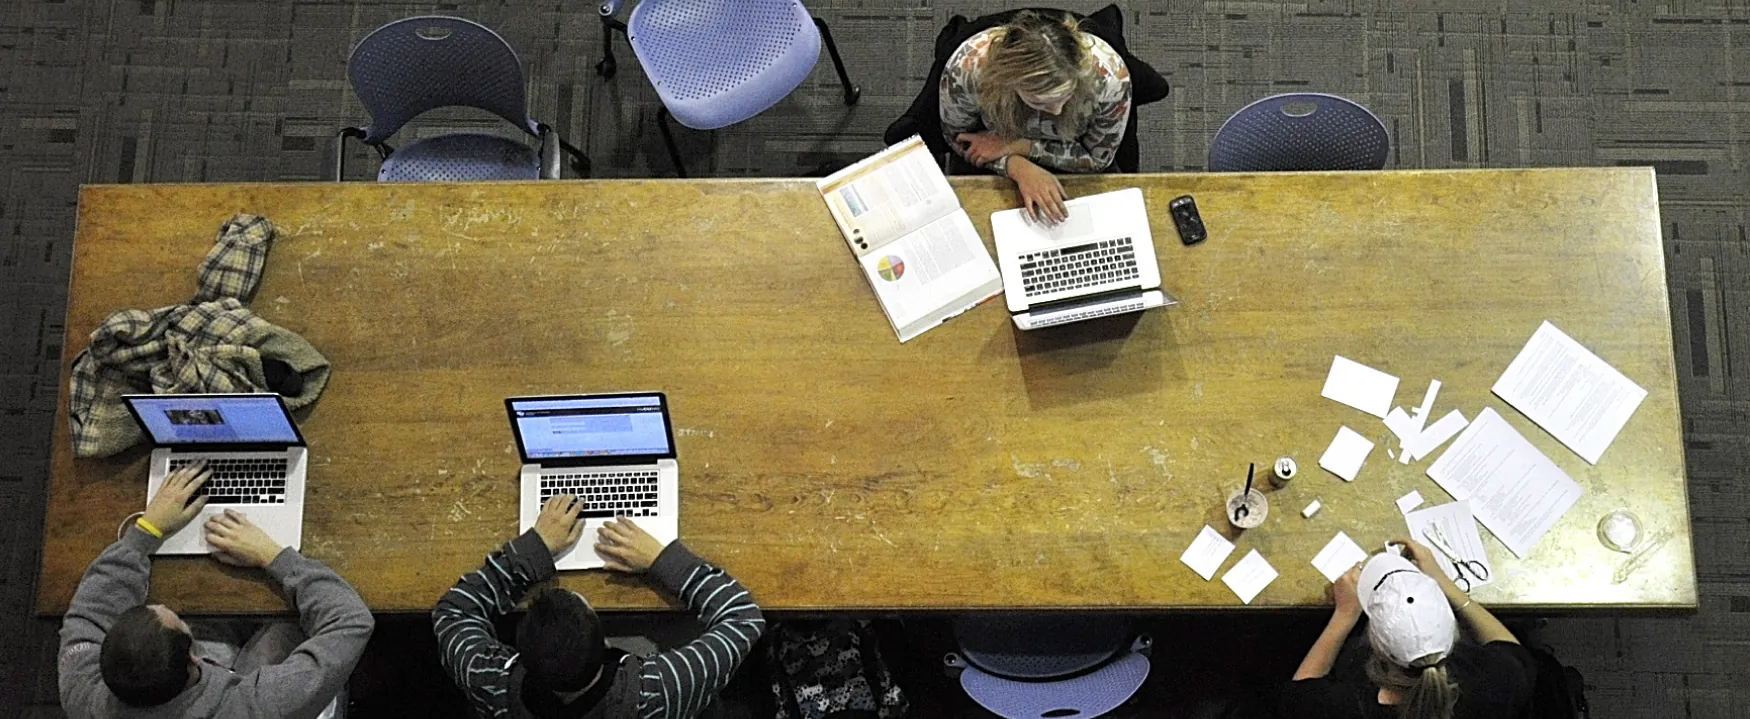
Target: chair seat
[461,157]
[718,62]
[1085,696]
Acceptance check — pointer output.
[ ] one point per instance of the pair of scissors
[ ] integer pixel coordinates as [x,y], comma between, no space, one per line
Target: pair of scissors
[1466,568]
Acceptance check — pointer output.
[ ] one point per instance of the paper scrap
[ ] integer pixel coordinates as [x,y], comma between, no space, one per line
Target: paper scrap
[1339,556]
[1311,509]
[1249,576]
[1401,424]
[1460,530]
[1421,413]
[1207,552]
[1409,501]
[1360,386]
[1515,491]
[1570,392]
[1346,453]
[1434,436]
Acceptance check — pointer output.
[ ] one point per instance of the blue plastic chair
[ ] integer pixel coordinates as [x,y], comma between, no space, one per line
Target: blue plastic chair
[1300,131]
[1039,667]
[717,62]
[416,64]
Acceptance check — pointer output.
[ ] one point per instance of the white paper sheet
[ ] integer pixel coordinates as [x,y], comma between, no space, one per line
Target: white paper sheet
[1339,556]
[1571,393]
[1421,413]
[1401,424]
[1249,576]
[1346,453]
[1432,437]
[1514,490]
[1456,523]
[1207,552]
[1360,386]
[1409,501]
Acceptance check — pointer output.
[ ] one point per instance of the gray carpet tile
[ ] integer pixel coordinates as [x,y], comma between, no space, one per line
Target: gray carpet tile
[223,90]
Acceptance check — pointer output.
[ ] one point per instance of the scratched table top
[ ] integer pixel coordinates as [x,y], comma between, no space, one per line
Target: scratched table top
[827,465]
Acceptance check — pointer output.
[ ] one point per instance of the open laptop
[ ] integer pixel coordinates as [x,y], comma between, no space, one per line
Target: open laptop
[615,452]
[1099,261]
[251,446]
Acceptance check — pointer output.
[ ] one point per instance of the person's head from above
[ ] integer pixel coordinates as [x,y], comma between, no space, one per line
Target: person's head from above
[1038,62]
[1412,629]
[147,656]
[562,646]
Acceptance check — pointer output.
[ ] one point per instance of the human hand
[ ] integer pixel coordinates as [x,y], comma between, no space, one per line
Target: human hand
[1041,194]
[558,524]
[983,148]
[627,547]
[238,542]
[170,509]
[1419,554]
[1344,595]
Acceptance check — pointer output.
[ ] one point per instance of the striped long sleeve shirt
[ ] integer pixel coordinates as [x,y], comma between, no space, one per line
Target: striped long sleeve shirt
[675,684]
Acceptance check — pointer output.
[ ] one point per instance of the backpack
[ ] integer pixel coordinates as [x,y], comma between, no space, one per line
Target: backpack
[830,670]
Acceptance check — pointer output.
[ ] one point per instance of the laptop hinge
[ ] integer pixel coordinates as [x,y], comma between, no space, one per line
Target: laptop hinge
[1099,298]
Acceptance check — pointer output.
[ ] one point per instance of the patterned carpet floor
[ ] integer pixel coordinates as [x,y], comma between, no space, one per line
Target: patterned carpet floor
[99,91]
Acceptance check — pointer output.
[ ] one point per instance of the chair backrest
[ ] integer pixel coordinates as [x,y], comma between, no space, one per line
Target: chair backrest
[1300,131]
[1080,697]
[417,64]
[1036,647]
[699,48]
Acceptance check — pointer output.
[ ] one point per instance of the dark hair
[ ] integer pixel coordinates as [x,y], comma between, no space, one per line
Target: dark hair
[144,661]
[560,639]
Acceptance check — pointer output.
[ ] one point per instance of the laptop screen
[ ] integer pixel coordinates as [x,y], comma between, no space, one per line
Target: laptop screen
[591,426]
[214,419]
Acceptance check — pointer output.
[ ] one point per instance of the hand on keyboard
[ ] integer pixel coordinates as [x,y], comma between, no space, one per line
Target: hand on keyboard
[626,546]
[171,509]
[559,525]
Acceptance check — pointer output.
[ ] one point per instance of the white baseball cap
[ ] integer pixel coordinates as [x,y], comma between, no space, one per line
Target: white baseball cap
[1408,617]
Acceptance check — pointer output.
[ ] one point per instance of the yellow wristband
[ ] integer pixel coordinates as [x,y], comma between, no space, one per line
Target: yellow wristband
[154,531]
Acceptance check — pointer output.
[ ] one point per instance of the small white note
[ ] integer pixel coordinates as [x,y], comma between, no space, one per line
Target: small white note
[1571,393]
[1207,552]
[1434,436]
[1346,453]
[1339,556]
[1311,509]
[1250,576]
[1360,386]
[1409,501]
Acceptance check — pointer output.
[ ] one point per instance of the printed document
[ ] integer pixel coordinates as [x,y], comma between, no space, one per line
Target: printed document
[1455,524]
[1571,393]
[1515,490]
[915,244]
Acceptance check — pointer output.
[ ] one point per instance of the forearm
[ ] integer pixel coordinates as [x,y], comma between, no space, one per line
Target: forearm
[733,622]
[1481,622]
[1323,655]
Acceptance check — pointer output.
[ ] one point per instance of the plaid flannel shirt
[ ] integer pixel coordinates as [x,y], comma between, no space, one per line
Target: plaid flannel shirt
[212,344]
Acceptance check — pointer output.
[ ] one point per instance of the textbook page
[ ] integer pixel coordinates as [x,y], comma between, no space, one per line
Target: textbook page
[927,276]
[887,195]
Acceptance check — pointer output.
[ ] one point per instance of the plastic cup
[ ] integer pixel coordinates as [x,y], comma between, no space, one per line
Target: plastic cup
[1257,508]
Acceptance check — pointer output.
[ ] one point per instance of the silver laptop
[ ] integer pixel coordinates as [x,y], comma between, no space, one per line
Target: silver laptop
[1099,261]
[251,446]
[615,452]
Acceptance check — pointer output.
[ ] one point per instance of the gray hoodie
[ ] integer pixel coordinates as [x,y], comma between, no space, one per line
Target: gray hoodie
[330,612]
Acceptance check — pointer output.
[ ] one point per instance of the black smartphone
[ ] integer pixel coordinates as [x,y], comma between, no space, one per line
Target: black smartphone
[1186,219]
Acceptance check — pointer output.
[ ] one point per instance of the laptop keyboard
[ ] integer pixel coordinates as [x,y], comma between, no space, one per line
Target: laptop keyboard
[1070,268]
[241,481]
[605,494]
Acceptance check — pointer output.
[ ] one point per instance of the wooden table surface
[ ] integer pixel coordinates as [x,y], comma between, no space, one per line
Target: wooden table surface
[830,467]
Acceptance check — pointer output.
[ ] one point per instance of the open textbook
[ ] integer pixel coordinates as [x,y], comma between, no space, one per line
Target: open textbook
[916,245]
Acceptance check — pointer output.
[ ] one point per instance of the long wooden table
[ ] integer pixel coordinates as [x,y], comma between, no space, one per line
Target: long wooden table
[827,465]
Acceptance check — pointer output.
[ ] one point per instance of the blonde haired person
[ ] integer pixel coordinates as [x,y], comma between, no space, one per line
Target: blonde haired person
[1034,96]
[1418,668]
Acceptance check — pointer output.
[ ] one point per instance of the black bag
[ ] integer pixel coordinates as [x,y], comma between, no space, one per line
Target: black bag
[1560,691]
[830,670]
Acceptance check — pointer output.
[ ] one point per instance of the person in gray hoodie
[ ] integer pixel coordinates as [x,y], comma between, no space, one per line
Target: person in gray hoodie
[121,657]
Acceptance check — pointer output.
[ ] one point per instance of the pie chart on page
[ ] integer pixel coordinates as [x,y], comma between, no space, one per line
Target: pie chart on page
[891,268]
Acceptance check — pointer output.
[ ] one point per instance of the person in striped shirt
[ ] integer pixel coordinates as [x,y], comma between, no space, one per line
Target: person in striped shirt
[561,665]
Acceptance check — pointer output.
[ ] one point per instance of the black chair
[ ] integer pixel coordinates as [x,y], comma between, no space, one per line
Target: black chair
[923,118]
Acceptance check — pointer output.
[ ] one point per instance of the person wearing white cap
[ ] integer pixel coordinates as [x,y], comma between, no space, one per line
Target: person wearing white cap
[1419,666]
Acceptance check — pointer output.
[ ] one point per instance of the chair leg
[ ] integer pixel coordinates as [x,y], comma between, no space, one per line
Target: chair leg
[852,92]
[674,153]
[608,65]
